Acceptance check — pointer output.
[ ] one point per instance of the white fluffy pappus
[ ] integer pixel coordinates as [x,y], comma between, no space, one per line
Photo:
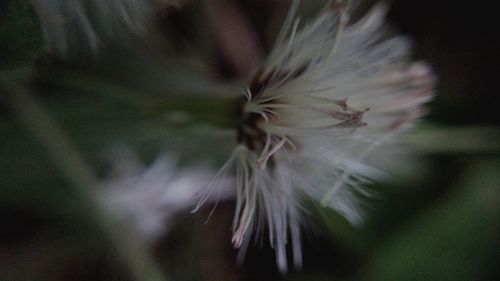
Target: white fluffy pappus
[69,25]
[328,103]
[148,198]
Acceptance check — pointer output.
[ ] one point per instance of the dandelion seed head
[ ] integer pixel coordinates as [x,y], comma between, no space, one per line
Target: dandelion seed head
[329,99]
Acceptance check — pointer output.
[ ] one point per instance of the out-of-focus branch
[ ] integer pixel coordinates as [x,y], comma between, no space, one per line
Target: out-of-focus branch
[234,36]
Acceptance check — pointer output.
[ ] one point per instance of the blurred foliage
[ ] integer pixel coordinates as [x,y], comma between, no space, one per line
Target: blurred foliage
[454,239]
[439,223]
[20,34]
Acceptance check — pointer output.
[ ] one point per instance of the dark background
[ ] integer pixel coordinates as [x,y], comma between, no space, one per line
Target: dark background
[441,224]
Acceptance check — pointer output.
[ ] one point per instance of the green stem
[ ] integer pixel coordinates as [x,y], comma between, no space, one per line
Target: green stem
[455,139]
[212,108]
[80,177]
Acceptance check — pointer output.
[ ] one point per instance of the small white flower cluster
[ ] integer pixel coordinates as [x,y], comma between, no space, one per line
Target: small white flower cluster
[148,198]
[329,101]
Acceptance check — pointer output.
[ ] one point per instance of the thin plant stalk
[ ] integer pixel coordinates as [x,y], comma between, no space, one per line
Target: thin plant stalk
[79,176]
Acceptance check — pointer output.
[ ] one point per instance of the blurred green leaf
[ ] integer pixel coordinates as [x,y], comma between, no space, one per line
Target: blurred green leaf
[20,34]
[455,240]
[337,228]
